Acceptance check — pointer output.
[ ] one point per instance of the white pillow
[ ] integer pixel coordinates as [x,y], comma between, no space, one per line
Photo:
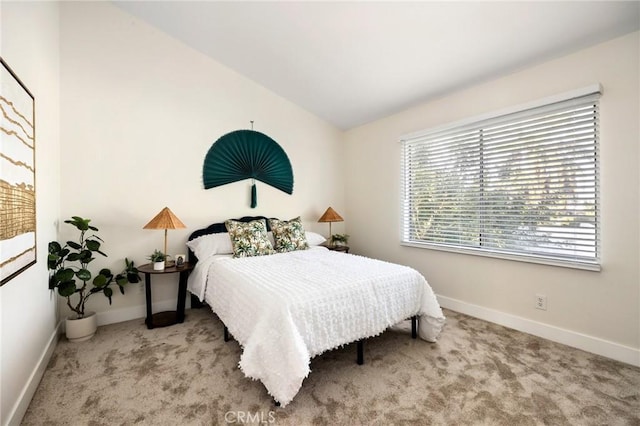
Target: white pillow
[208,245]
[314,239]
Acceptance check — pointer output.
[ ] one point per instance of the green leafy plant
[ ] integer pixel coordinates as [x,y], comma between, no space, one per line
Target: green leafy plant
[157,256]
[71,276]
[130,272]
[339,238]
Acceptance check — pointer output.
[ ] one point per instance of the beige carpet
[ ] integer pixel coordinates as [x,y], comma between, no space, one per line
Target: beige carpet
[478,373]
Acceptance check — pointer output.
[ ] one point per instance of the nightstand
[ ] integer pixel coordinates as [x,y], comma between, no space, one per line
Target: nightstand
[163,319]
[342,249]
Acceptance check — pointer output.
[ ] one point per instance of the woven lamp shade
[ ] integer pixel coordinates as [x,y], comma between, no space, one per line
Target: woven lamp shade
[330,216]
[165,220]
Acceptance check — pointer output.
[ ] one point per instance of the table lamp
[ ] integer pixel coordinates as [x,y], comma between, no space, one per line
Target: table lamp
[165,220]
[330,216]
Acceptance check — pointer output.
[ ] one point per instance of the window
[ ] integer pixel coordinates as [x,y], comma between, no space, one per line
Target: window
[521,185]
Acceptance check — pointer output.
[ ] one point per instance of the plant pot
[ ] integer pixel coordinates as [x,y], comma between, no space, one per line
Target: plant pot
[158,266]
[81,329]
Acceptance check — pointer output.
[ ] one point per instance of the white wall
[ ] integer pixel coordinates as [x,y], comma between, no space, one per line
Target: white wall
[139,113]
[28,309]
[598,311]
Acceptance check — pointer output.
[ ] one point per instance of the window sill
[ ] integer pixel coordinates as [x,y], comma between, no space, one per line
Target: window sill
[505,256]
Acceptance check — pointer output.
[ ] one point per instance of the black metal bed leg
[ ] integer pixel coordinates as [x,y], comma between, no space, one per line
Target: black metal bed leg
[414,327]
[226,334]
[360,349]
[195,302]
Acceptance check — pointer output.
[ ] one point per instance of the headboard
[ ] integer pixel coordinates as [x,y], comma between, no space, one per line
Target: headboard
[217,228]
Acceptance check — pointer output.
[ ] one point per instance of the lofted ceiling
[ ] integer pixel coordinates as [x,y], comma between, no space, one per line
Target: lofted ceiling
[354,62]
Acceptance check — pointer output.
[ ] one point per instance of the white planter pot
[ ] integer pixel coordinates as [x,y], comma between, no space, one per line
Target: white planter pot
[79,330]
[158,266]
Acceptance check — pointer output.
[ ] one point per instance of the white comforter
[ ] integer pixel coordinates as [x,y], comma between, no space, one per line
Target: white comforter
[286,308]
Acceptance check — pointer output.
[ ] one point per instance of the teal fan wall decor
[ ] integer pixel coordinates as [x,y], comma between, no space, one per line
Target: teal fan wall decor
[247,154]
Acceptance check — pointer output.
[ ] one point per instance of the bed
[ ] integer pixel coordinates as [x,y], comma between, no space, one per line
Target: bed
[286,308]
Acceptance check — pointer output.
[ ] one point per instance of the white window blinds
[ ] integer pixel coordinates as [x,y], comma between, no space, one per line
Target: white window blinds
[522,185]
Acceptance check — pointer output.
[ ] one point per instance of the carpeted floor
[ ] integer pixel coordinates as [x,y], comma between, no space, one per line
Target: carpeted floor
[478,373]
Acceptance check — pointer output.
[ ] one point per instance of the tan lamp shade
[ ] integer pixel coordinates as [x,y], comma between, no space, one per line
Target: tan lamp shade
[165,220]
[330,216]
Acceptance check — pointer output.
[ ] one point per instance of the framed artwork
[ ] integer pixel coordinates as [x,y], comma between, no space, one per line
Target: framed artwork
[17,176]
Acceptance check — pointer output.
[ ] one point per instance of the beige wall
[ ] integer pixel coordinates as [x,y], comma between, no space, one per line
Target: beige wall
[601,305]
[140,112]
[28,308]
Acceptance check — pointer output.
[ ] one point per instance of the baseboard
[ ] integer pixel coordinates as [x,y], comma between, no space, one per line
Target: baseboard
[113,316]
[560,335]
[29,389]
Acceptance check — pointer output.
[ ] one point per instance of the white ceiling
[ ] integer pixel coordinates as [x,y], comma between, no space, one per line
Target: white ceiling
[355,62]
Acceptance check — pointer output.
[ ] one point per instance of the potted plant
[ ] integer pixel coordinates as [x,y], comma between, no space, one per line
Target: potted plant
[158,258]
[339,239]
[72,279]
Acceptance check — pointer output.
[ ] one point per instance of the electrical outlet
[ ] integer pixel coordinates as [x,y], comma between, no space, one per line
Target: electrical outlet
[541,302]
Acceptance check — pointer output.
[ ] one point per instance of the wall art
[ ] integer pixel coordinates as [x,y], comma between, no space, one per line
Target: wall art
[247,154]
[17,176]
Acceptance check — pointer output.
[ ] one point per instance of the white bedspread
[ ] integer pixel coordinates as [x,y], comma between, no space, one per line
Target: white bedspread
[286,308]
